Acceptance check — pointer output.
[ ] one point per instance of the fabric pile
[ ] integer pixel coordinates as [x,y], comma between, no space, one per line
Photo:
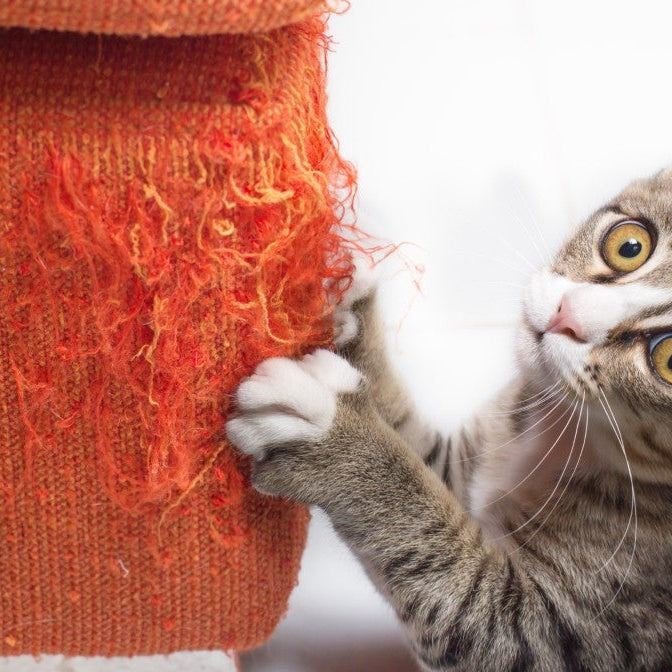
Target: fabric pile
[169,198]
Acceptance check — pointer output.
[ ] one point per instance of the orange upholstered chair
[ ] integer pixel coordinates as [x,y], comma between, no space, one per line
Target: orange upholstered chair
[168,195]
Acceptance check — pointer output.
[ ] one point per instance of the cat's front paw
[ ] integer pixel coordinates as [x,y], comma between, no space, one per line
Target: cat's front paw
[284,410]
[351,314]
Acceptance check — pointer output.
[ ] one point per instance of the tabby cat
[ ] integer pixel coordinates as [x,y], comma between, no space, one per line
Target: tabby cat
[538,537]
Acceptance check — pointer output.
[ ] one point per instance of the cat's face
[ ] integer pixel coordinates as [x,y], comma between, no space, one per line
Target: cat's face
[601,316]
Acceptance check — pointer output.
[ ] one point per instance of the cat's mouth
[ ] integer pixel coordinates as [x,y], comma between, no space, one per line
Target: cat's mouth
[561,355]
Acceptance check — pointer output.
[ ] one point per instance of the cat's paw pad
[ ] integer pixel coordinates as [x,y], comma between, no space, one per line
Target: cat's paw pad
[290,400]
[346,322]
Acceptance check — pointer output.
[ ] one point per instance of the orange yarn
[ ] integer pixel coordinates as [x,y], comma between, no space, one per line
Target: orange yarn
[158,17]
[167,212]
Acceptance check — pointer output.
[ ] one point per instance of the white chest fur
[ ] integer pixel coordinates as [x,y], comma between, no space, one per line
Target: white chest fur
[521,479]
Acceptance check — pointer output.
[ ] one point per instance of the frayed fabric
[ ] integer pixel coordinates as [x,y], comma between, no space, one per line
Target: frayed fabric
[168,218]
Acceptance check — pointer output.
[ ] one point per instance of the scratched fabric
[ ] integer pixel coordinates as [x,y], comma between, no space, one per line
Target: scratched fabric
[167,220]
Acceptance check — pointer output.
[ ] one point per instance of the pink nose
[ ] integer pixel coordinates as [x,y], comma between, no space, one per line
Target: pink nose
[565,322]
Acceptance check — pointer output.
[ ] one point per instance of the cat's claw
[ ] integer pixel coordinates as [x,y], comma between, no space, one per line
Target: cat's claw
[290,400]
[346,322]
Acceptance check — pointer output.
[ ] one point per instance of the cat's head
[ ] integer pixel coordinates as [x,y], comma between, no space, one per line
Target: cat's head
[600,318]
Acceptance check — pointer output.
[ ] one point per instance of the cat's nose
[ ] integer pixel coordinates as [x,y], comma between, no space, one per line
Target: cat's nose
[565,322]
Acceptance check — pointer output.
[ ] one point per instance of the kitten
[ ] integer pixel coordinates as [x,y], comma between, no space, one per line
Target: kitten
[538,537]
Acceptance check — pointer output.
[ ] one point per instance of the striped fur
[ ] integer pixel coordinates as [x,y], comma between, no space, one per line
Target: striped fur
[526,541]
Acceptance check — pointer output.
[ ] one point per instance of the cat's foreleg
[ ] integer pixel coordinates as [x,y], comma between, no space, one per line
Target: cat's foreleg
[361,340]
[316,437]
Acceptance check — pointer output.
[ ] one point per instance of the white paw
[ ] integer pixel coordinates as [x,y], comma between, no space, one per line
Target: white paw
[346,324]
[288,400]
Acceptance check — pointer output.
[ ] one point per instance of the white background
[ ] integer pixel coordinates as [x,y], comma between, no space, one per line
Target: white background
[482,131]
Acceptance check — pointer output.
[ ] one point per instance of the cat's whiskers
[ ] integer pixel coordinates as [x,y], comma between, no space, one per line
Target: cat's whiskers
[517,252]
[632,519]
[611,418]
[567,482]
[581,386]
[549,387]
[478,455]
[544,457]
[546,258]
[531,402]
[539,394]
[612,415]
[557,483]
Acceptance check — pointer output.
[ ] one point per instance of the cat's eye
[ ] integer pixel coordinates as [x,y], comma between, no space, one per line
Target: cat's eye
[626,246]
[660,348]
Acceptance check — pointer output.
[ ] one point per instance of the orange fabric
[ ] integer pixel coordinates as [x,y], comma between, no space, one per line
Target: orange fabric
[157,17]
[166,221]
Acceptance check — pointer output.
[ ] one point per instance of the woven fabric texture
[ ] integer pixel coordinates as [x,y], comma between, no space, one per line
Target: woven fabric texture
[167,211]
[157,17]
